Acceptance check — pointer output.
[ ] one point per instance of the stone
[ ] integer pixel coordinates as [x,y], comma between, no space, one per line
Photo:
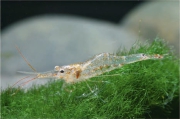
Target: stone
[50,40]
[155,18]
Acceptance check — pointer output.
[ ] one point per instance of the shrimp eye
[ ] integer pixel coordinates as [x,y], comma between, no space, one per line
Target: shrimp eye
[62,71]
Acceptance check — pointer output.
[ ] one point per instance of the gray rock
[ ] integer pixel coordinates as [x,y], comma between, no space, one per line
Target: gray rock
[50,40]
[158,18]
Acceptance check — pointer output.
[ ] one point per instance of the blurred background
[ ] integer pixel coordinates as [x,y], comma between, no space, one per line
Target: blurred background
[62,33]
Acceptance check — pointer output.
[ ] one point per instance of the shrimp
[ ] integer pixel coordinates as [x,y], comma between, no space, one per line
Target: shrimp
[98,65]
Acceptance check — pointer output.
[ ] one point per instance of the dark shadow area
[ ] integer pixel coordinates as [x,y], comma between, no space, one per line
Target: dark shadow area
[108,11]
[170,111]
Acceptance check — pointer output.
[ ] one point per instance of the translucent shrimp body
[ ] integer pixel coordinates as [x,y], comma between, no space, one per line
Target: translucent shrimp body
[99,64]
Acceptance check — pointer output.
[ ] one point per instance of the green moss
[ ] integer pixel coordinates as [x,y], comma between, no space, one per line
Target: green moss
[138,91]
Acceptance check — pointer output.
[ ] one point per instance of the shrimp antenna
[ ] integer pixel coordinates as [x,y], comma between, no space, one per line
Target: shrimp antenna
[23,72]
[25,59]
[22,84]
[19,81]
